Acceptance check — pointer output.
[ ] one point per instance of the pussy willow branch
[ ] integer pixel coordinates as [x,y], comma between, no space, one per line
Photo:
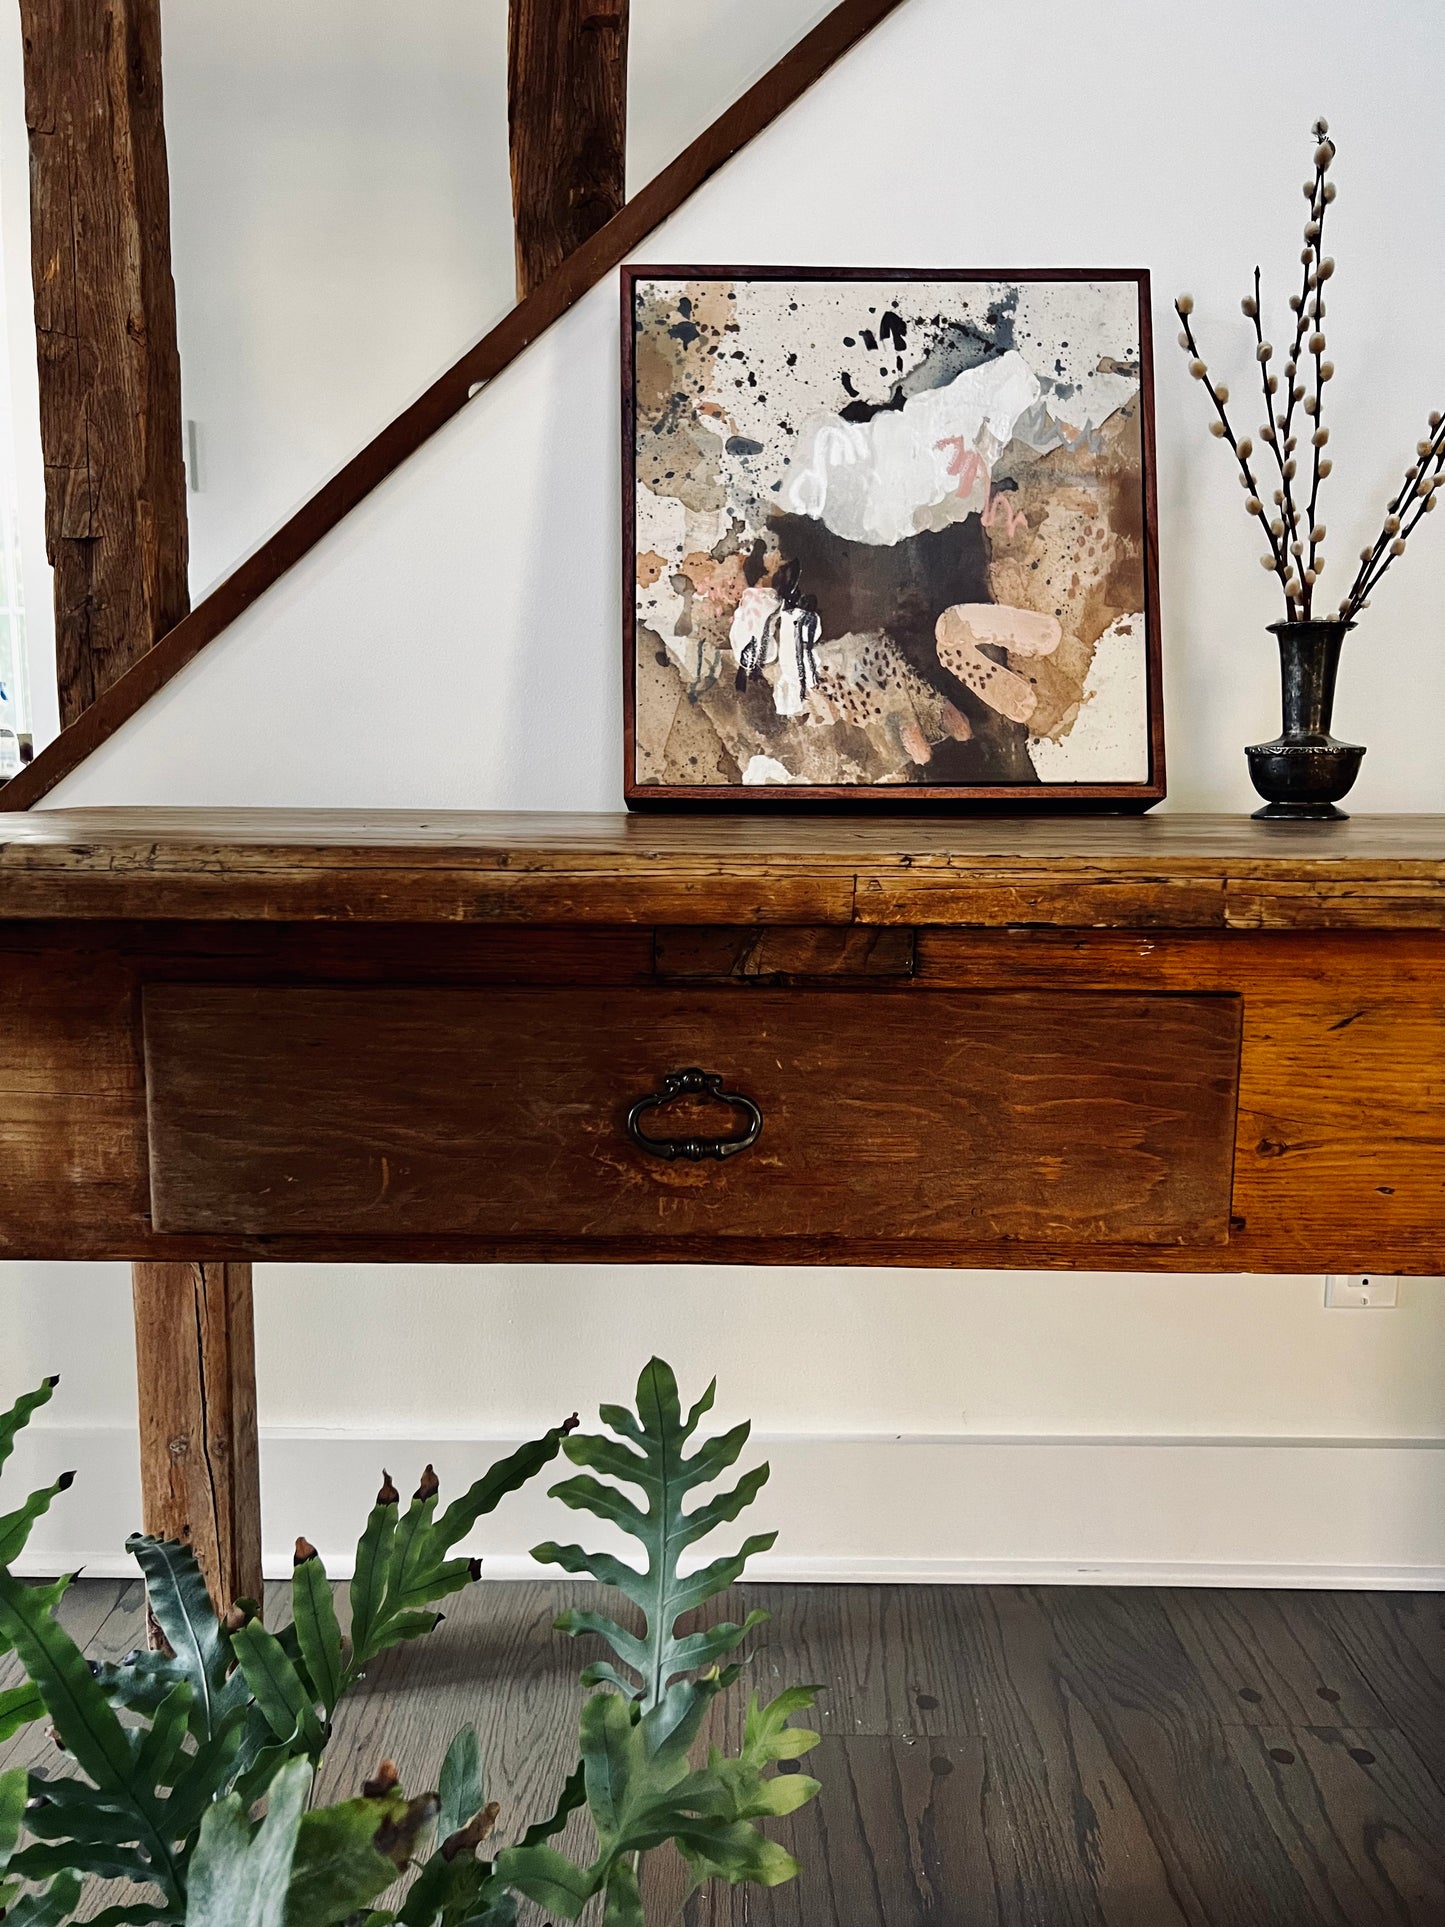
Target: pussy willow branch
[1272,439]
[1278,428]
[1419,489]
[1319,202]
[1276,548]
[1376,559]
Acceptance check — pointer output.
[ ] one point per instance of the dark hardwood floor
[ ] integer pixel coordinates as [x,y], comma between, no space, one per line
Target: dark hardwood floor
[997,1756]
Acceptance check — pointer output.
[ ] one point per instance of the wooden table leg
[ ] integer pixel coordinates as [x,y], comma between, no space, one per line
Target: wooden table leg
[196,1367]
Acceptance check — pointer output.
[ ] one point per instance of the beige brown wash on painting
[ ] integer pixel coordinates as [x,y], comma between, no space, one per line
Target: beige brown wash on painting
[888,533]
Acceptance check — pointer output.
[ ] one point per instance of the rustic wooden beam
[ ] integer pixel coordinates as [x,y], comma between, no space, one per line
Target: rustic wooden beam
[196,1367]
[105,322]
[758,108]
[115,523]
[567,120]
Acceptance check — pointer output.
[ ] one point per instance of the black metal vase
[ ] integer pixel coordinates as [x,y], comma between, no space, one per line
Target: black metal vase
[1304,772]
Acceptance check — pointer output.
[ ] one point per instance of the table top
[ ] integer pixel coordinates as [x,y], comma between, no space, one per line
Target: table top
[427,866]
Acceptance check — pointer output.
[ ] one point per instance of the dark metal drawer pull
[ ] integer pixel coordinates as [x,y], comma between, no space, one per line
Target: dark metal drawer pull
[689,1083]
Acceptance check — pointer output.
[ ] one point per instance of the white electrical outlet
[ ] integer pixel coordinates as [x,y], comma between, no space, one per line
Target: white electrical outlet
[1362,1291]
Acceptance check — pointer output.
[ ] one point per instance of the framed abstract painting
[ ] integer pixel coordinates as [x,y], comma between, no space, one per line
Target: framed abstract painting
[889,537]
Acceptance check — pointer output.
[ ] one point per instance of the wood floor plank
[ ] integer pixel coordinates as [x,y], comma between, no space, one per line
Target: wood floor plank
[494,1663]
[1099,1772]
[882,1655]
[895,1839]
[1360,1818]
[1266,1659]
[1397,1640]
[1113,1776]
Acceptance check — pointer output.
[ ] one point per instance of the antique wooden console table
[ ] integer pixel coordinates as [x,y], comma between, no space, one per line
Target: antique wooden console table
[1169,1043]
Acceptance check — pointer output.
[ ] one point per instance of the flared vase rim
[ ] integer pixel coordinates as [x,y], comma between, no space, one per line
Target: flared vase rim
[1294,625]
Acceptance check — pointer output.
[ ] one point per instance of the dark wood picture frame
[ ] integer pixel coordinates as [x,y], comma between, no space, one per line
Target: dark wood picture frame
[1049,797]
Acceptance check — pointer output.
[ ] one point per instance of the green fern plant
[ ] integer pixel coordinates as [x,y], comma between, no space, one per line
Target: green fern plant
[21,1705]
[231,1713]
[640,1789]
[220,1711]
[647,1454]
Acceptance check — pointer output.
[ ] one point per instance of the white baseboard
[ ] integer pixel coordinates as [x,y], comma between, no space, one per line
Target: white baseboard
[903,1509]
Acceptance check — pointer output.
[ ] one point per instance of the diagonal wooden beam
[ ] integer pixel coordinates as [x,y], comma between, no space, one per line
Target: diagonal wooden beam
[105,325]
[567,121]
[757,109]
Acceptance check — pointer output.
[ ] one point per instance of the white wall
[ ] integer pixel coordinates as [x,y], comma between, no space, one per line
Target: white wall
[469,609]
[341,223]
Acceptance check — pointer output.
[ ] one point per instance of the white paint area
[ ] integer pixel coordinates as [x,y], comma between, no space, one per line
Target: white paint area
[766,769]
[457,643]
[1109,740]
[869,481]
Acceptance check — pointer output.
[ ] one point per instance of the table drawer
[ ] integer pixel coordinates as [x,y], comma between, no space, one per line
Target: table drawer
[1043,1117]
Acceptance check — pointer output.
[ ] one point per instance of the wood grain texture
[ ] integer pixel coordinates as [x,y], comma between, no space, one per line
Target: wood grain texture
[1047,1119]
[1341,1027]
[757,109]
[1357,1817]
[898,1839]
[1265,1661]
[727,953]
[1116,1792]
[1397,1642]
[196,1372]
[567,122]
[1150,873]
[110,377]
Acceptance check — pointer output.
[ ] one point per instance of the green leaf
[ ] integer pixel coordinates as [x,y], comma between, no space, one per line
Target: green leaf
[81,1712]
[741,1789]
[450,1889]
[338,1868]
[369,1575]
[498,1909]
[14,1787]
[237,1880]
[137,1914]
[79,1856]
[606,1758]
[277,1686]
[641,1794]
[15,1526]
[21,1413]
[114,1820]
[505,1477]
[461,1791]
[548,1877]
[403,1562]
[659,1468]
[624,1902]
[200,1653]
[19,1706]
[313,1612]
[453,1883]
[49,1909]
[160,1747]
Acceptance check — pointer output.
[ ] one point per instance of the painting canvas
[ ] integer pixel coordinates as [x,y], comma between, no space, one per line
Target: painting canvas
[889,537]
